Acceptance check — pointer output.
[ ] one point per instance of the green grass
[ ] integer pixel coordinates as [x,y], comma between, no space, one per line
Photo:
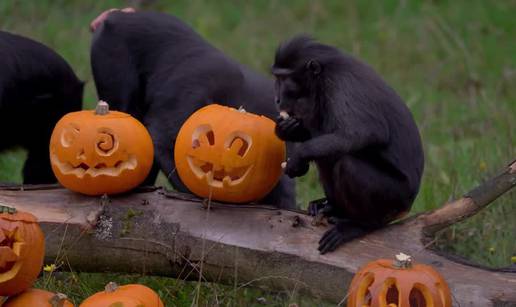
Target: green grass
[454,62]
[173,292]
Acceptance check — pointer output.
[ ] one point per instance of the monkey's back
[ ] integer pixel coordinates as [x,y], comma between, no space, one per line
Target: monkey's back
[165,48]
[37,86]
[30,69]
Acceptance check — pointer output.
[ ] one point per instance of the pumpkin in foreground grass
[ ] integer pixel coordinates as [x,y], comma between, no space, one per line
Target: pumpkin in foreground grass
[101,151]
[132,295]
[399,283]
[228,154]
[22,248]
[38,298]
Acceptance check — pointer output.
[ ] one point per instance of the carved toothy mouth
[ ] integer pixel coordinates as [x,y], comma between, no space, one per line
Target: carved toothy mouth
[82,169]
[217,177]
[9,246]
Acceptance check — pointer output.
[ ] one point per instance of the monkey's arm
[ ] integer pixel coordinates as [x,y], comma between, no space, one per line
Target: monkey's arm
[329,145]
[313,149]
[340,143]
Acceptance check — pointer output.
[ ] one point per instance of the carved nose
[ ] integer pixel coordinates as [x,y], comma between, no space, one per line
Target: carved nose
[277,100]
[81,155]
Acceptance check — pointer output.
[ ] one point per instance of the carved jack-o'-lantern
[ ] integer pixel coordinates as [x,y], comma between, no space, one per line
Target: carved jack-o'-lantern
[22,248]
[399,283]
[229,154]
[101,151]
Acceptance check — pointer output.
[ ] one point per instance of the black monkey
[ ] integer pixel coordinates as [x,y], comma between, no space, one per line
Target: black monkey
[358,131]
[37,87]
[155,67]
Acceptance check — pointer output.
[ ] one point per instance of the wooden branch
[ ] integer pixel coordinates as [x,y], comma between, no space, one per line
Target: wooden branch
[474,201]
[169,234]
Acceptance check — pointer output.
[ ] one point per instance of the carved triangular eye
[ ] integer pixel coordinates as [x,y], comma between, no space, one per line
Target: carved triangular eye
[211,137]
[8,257]
[239,143]
[69,135]
[203,135]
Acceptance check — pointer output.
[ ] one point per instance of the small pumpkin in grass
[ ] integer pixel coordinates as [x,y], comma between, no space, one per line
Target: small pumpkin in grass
[133,295]
[399,283]
[38,298]
[101,151]
[229,154]
[22,248]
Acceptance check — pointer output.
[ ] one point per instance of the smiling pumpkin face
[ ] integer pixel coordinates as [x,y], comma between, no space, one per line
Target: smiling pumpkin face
[22,248]
[94,152]
[229,154]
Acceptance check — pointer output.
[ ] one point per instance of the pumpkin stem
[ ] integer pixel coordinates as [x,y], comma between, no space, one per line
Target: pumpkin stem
[5,209]
[102,108]
[241,109]
[58,300]
[403,261]
[111,287]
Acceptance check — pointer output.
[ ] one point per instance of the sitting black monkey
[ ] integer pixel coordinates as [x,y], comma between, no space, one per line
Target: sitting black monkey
[37,87]
[158,69]
[358,131]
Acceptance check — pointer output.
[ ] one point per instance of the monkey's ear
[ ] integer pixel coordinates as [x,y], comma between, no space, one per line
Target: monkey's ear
[314,66]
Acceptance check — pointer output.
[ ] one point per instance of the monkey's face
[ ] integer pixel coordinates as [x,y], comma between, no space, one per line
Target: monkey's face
[293,96]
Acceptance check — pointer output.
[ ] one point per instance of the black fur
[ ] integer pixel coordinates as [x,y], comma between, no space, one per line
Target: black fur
[155,67]
[37,87]
[358,131]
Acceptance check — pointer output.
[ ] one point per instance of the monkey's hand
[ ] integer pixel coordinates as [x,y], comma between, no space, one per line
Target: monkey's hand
[291,129]
[296,166]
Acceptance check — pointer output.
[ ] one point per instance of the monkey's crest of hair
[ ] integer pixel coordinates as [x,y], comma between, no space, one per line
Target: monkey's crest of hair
[293,55]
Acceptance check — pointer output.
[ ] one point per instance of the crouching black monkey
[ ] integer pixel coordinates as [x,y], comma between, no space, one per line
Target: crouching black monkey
[37,87]
[358,131]
[158,69]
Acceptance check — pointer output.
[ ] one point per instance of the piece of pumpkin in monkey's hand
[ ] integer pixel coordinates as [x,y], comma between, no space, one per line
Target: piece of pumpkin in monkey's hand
[284,115]
[284,164]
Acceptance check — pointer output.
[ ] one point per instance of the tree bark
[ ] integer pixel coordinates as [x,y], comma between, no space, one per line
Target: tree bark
[169,234]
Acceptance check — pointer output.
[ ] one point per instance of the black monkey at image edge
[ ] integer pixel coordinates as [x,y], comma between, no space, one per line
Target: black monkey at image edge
[156,68]
[356,129]
[37,87]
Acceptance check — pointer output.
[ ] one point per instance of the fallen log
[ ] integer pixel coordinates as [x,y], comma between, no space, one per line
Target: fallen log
[153,231]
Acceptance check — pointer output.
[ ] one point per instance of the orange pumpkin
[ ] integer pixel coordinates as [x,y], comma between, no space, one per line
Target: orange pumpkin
[101,151]
[384,283]
[133,295]
[22,248]
[38,298]
[230,154]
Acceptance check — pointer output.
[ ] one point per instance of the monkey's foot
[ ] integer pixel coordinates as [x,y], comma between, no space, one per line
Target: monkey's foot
[343,231]
[319,209]
[319,206]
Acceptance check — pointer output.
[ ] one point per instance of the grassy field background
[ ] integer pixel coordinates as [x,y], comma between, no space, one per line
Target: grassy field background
[454,63]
